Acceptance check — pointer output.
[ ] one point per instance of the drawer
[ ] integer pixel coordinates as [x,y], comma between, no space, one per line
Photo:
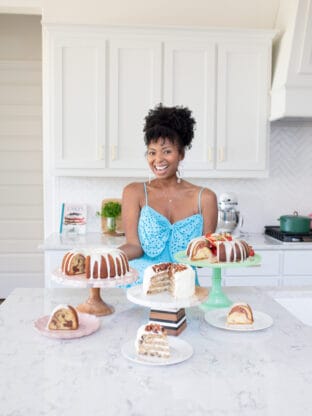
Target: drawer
[297,263]
[270,266]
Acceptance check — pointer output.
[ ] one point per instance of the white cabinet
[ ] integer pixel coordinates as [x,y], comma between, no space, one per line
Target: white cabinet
[268,273]
[76,99]
[135,87]
[190,80]
[101,83]
[297,267]
[292,72]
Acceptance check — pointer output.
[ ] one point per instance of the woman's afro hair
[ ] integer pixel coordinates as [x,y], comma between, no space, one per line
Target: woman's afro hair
[175,123]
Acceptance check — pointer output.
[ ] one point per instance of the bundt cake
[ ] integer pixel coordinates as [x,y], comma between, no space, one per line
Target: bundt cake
[176,278]
[218,248]
[63,317]
[101,263]
[152,340]
[240,314]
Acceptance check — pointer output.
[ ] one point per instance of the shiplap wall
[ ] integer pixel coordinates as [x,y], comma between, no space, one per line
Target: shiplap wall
[21,210]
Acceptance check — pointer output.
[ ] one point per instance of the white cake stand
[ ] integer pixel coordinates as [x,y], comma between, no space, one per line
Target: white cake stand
[164,303]
[94,305]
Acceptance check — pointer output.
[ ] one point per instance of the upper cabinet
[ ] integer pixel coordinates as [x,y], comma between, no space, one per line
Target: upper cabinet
[292,69]
[100,84]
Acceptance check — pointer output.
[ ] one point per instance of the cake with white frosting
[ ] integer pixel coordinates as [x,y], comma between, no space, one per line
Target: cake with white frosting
[96,263]
[152,340]
[176,278]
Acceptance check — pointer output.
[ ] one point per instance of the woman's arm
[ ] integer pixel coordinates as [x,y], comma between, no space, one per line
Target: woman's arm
[131,208]
[209,211]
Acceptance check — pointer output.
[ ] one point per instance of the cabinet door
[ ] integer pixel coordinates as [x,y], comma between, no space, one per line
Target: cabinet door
[267,273]
[242,106]
[189,80]
[135,87]
[78,121]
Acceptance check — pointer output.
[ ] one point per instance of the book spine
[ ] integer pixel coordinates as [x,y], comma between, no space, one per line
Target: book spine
[62,218]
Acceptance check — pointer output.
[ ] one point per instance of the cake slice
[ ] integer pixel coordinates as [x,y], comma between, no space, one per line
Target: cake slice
[63,317]
[240,314]
[152,340]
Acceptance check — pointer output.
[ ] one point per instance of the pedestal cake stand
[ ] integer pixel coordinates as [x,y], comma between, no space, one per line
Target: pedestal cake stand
[166,310]
[217,298]
[94,304]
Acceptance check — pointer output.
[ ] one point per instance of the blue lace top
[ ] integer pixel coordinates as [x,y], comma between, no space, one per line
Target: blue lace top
[160,239]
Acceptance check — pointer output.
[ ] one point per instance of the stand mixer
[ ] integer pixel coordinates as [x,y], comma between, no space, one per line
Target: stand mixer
[229,218]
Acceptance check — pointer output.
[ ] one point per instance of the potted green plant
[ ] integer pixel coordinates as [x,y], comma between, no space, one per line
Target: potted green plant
[111,210]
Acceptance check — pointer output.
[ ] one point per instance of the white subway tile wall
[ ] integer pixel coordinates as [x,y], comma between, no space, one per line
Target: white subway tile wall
[261,201]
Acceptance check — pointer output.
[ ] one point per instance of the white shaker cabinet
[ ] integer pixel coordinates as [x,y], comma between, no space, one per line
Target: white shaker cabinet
[226,84]
[190,80]
[135,67]
[75,84]
[100,83]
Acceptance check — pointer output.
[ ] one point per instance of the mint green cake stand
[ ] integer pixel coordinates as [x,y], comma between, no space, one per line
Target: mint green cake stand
[217,298]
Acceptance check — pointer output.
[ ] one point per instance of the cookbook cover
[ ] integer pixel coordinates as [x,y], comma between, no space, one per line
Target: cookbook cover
[73,218]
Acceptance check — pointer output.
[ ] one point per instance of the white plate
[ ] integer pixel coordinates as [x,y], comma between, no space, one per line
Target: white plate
[81,280]
[217,318]
[179,351]
[165,300]
[87,325]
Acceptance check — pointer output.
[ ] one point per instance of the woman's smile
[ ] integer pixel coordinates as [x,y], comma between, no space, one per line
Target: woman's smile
[163,157]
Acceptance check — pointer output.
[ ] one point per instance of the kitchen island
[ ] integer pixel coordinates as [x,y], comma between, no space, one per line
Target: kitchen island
[261,373]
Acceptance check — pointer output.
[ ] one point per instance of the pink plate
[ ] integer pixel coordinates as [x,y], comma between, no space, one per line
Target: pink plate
[87,325]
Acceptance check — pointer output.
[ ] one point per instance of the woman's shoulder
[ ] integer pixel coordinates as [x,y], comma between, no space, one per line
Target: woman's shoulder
[134,188]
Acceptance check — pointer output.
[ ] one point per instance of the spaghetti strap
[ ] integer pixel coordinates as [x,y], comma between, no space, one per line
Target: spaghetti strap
[145,192]
[199,200]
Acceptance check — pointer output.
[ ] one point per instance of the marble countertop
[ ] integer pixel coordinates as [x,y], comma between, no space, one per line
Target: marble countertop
[264,373]
[58,241]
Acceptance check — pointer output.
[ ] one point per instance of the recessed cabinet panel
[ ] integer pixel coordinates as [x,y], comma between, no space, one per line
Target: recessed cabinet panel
[298,263]
[242,107]
[189,80]
[135,87]
[79,108]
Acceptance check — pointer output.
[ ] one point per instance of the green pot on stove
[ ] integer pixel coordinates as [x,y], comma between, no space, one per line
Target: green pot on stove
[295,224]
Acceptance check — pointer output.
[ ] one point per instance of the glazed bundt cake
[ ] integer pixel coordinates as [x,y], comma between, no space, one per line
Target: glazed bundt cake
[219,248]
[101,263]
[240,314]
[63,317]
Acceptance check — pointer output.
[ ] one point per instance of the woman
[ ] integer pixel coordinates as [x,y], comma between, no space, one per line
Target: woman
[162,215]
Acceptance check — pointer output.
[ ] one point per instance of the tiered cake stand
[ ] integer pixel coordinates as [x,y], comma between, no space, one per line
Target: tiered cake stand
[94,304]
[165,309]
[217,298]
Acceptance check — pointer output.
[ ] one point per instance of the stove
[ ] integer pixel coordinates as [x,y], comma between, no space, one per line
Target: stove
[275,232]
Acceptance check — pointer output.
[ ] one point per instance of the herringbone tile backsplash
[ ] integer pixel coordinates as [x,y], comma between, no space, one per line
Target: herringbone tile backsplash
[261,201]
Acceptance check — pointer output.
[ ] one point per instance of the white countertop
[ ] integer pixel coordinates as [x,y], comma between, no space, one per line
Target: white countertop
[264,373]
[58,241]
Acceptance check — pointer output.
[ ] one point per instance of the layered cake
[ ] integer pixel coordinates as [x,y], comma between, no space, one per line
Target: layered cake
[100,263]
[219,248]
[63,317]
[152,340]
[240,314]
[176,278]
